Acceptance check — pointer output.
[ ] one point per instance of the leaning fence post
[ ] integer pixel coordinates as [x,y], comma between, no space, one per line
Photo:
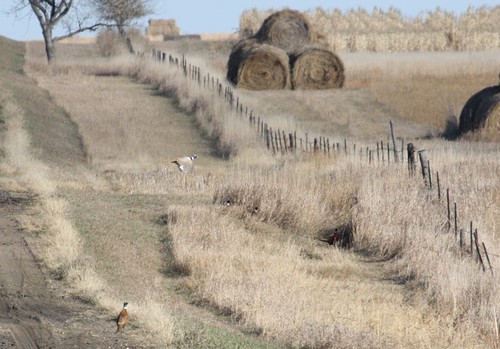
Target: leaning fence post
[424,163]
[480,259]
[396,159]
[266,135]
[429,173]
[487,258]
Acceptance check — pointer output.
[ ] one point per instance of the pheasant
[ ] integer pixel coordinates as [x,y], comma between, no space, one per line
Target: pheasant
[185,163]
[334,238]
[122,319]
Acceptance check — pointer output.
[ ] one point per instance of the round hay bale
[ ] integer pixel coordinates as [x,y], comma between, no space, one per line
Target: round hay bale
[288,29]
[255,66]
[481,113]
[316,68]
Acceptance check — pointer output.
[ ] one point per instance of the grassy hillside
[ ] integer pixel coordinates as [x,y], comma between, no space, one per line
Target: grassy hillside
[200,273]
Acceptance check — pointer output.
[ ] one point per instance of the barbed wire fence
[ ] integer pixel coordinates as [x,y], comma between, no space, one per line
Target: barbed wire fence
[283,142]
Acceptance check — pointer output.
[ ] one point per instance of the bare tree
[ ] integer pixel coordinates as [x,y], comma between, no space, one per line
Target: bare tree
[50,13]
[121,13]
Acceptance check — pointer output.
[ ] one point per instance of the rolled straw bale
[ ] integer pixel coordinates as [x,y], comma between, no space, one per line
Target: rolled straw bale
[288,29]
[316,68]
[481,113]
[255,66]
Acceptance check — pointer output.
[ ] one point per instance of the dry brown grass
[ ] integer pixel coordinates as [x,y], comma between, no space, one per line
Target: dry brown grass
[405,284]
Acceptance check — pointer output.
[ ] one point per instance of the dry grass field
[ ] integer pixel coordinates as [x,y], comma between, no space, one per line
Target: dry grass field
[117,222]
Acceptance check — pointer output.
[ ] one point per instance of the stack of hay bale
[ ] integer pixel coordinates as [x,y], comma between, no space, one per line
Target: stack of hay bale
[481,114]
[283,55]
[159,29]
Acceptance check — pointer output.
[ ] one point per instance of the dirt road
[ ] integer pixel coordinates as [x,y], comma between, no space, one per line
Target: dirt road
[36,312]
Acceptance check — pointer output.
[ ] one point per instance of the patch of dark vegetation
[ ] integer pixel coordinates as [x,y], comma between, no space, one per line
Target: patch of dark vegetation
[61,272]
[16,198]
[108,73]
[171,266]
[166,219]
[89,300]
[451,129]
[341,236]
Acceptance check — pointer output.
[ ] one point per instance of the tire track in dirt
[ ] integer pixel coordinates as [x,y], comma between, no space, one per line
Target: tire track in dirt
[19,277]
[36,310]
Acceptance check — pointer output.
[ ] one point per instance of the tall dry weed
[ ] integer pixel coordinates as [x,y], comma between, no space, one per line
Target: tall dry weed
[299,197]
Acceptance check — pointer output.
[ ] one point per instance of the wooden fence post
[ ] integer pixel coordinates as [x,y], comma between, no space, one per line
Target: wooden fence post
[448,205]
[487,258]
[456,218]
[284,141]
[429,174]
[438,185]
[479,257]
[266,135]
[295,140]
[461,240]
[388,154]
[411,158]
[278,140]
[402,150]
[424,163]
[396,159]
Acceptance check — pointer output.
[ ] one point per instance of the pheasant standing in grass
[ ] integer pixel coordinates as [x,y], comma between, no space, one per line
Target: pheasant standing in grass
[185,163]
[122,319]
[334,238]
